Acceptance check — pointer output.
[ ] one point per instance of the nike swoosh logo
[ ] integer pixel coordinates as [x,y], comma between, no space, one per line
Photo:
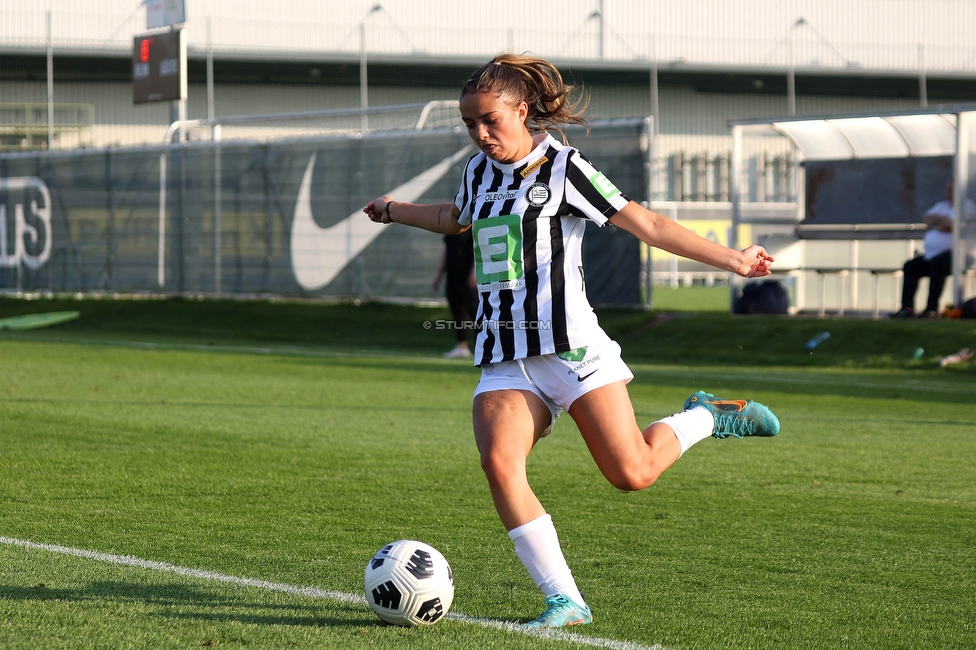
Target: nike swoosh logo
[735,405]
[319,254]
[584,377]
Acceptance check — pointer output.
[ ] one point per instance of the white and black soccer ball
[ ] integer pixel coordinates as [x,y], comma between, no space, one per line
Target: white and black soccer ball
[409,583]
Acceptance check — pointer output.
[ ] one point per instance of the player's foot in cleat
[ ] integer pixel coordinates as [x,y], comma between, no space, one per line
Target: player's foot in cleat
[562,612]
[736,417]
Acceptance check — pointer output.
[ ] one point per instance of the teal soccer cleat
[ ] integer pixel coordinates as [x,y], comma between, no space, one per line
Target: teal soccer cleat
[736,417]
[562,612]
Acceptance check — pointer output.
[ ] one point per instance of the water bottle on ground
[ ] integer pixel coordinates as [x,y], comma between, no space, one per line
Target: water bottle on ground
[817,340]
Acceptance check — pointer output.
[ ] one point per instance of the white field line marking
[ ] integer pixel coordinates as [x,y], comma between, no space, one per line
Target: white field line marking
[313,592]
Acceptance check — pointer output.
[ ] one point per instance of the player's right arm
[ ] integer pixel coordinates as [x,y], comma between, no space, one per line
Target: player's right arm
[657,230]
[436,217]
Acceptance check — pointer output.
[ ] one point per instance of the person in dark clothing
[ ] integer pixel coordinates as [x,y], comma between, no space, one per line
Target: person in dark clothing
[457,267]
[935,263]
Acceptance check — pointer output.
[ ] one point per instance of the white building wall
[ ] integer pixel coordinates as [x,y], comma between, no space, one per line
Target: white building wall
[689,120]
[833,34]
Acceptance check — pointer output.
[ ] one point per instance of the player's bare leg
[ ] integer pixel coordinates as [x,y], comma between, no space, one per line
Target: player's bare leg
[629,458]
[507,424]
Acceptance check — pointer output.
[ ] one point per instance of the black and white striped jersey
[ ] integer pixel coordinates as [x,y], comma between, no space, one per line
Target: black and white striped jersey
[528,220]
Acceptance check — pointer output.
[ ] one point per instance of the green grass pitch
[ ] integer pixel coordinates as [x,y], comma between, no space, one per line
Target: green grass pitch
[288,442]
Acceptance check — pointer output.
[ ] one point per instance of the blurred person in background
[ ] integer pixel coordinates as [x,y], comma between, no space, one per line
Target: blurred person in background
[457,270]
[935,263]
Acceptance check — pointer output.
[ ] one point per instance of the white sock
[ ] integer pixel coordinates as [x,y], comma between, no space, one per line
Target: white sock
[690,426]
[537,546]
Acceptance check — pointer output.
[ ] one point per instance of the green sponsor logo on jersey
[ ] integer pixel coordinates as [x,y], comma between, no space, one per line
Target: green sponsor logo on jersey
[604,186]
[576,354]
[498,251]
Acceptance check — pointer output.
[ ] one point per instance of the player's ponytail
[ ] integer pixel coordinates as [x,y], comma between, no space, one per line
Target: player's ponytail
[519,78]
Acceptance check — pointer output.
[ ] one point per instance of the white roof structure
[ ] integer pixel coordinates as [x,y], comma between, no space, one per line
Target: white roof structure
[928,132]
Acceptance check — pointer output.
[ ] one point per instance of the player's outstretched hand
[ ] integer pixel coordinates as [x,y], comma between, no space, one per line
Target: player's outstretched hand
[376,210]
[756,262]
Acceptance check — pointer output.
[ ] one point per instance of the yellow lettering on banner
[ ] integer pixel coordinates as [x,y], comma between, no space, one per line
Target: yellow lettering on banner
[534,166]
[715,230]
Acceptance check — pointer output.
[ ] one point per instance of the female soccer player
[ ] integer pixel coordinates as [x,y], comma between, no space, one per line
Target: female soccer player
[526,197]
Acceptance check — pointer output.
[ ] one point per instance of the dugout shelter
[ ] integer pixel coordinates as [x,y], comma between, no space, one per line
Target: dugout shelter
[865,180]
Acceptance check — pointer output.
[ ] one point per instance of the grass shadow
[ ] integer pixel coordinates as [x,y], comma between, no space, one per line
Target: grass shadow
[196,603]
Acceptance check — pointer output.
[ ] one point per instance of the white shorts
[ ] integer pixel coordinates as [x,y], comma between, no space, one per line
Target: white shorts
[558,379]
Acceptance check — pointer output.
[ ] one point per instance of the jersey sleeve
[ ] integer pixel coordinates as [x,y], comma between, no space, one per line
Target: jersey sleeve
[462,200]
[590,193]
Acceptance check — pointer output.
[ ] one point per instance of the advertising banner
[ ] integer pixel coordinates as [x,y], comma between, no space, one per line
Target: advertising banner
[277,218]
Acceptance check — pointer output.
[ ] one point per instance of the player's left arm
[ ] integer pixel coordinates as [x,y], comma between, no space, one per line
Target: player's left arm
[657,230]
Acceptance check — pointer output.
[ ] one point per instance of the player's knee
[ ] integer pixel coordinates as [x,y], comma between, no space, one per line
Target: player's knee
[632,479]
[499,469]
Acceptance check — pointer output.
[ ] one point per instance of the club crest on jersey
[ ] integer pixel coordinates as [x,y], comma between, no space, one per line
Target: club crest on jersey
[538,194]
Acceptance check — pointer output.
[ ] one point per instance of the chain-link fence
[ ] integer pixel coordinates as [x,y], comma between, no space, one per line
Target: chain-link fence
[281,216]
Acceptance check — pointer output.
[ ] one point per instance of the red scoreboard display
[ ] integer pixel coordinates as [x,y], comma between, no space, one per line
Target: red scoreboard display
[159,67]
